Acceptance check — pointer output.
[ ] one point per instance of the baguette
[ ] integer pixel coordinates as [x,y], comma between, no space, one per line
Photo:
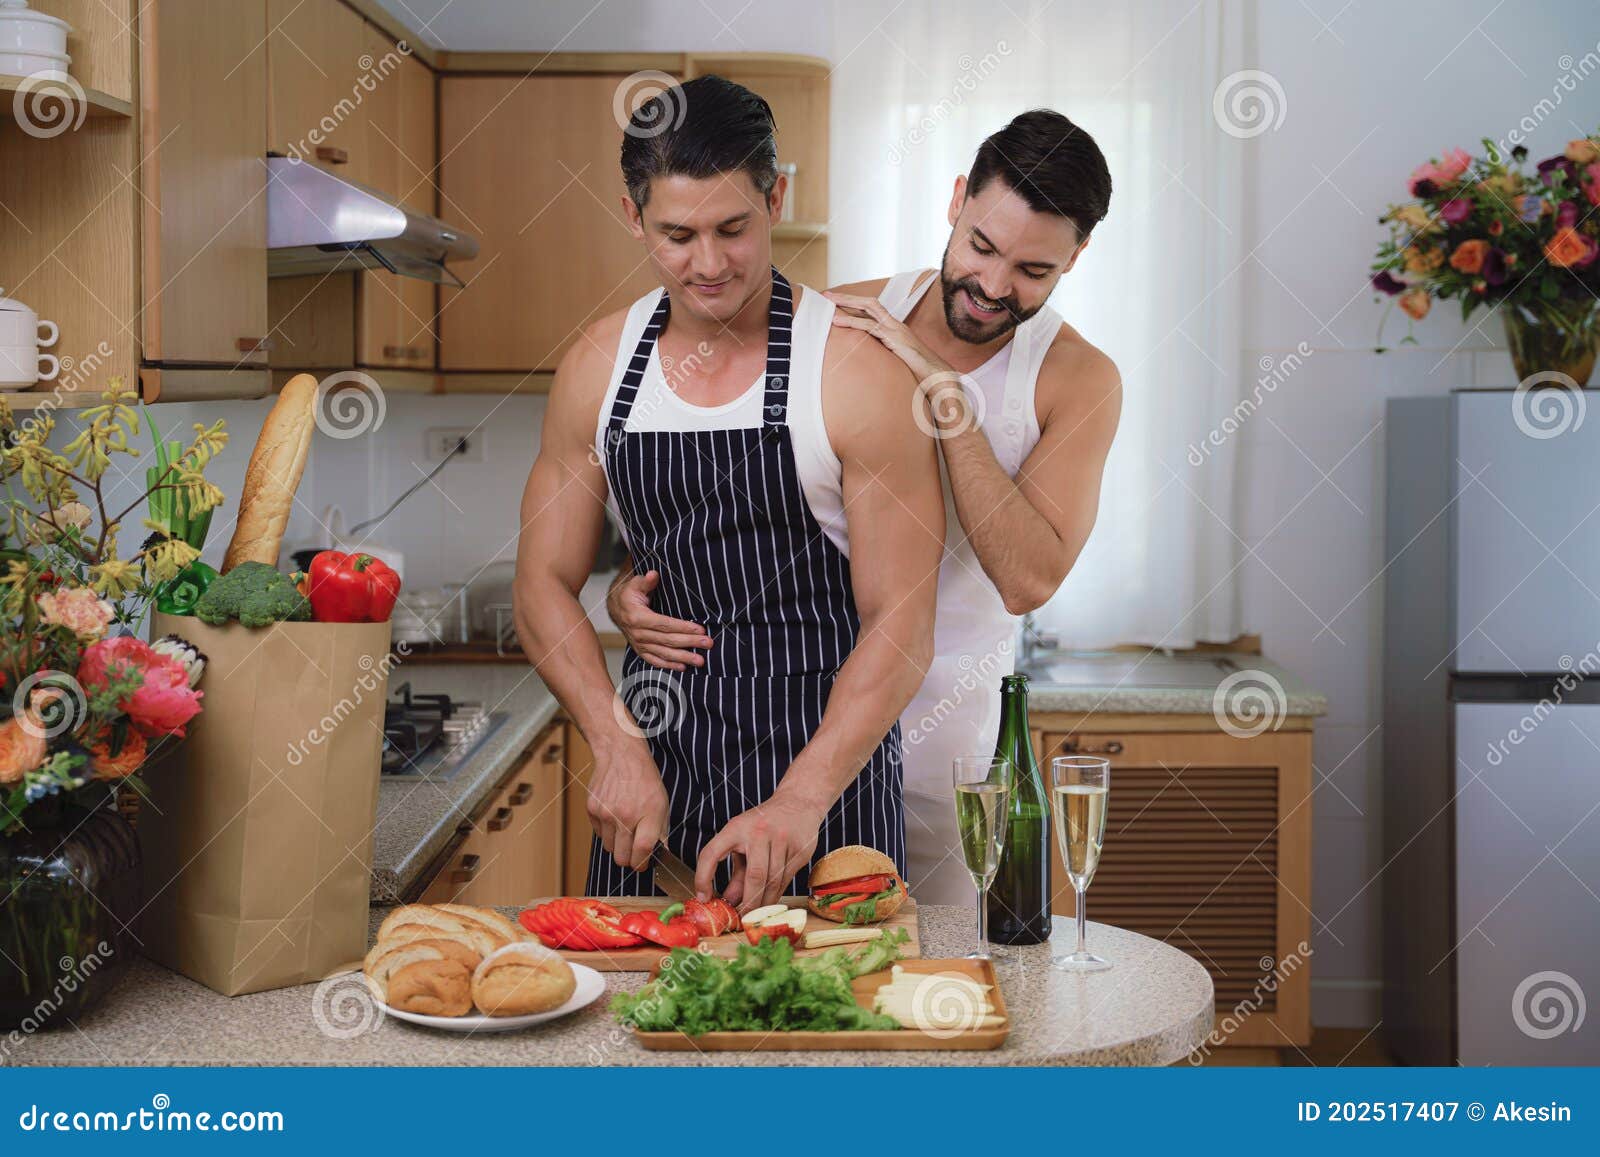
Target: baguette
[276,463]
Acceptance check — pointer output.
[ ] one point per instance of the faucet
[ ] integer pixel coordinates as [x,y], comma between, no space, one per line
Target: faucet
[1031,641]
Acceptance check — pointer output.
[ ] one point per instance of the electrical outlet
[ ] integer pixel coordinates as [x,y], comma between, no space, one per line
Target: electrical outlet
[441,441]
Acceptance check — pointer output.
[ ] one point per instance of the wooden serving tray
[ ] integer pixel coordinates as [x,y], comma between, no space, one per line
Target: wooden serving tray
[865,987]
[646,957]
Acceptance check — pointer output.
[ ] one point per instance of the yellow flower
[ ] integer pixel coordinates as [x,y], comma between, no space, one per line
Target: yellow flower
[114,578]
[1416,303]
[1583,151]
[21,750]
[1415,218]
[1423,260]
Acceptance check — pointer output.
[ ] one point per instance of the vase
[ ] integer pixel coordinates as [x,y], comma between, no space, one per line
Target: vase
[1552,343]
[69,893]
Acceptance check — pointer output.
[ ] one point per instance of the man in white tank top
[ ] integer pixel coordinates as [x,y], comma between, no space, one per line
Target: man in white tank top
[1025,411]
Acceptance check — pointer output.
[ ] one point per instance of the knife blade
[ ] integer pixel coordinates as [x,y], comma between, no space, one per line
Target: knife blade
[672,875]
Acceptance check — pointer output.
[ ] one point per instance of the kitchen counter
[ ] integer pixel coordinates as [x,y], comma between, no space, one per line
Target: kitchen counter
[1152,682]
[417,819]
[1153,1007]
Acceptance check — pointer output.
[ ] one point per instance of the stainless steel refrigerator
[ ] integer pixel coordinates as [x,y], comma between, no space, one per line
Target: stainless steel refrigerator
[1491,709]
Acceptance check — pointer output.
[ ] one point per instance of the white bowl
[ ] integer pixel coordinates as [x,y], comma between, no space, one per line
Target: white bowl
[33,64]
[24,30]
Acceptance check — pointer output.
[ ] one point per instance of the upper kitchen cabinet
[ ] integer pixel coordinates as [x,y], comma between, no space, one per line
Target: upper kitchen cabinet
[68,211]
[797,89]
[530,166]
[204,133]
[318,55]
[396,315]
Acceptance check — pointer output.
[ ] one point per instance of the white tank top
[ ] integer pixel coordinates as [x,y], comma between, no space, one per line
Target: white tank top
[658,407]
[972,618]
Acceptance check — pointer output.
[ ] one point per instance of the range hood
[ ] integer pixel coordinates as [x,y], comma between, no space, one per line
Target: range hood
[318,222]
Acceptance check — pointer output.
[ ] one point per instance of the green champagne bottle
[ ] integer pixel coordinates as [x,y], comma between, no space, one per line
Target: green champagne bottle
[1019,898]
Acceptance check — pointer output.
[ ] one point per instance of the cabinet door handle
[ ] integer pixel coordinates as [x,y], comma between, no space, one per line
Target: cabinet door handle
[501,820]
[522,795]
[551,753]
[253,345]
[1071,746]
[467,870]
[332,156]
[405,352]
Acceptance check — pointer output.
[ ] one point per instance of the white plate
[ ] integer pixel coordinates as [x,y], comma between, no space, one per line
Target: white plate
[590,985]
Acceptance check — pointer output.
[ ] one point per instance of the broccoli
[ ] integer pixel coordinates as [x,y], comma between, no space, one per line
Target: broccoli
[256,594]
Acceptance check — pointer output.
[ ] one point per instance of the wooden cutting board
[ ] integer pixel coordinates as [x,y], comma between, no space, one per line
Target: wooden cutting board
[645,958]
[950,1006]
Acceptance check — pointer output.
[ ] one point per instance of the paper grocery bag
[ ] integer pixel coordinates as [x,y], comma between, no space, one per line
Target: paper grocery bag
[257,832]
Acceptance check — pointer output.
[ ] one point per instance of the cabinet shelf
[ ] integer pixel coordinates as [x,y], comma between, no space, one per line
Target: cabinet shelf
[99,104]
[799,230]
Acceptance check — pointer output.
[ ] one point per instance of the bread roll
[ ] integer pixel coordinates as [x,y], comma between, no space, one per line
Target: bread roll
[383,960]
[522,978]
[479,939]
[273,475]
[501,925]
[424,914]
[432,988]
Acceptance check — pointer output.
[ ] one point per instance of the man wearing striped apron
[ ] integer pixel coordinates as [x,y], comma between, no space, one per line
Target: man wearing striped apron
[784,744]
[1026,411]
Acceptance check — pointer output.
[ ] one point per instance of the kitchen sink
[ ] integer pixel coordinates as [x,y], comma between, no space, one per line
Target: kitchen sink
[1129,669]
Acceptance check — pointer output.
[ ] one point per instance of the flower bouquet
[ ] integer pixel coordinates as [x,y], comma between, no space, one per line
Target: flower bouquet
[1483,231]
[84,703]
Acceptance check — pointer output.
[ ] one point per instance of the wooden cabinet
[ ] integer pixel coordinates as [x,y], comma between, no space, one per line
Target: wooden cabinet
[320,77]
[531,166]
[511,850]
[1208,847]
[395,319]
[205,216]
[579,767]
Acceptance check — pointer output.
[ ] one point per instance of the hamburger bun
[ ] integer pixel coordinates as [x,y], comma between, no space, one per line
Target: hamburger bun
[847,863]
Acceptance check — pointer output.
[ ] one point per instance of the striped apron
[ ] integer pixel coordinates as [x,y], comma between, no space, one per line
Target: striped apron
[722,516]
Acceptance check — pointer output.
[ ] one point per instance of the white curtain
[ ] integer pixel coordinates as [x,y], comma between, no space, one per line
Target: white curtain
[918,85]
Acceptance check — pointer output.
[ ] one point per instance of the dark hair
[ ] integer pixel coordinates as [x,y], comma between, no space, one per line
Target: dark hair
[701,128]
[1049,162]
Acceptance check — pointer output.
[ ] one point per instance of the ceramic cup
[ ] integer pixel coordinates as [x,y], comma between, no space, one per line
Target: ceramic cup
[18,328]
[24,365]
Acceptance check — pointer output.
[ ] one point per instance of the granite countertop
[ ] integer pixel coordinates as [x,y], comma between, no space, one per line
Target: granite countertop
[416,820]
[1153,682]
[1153,1007]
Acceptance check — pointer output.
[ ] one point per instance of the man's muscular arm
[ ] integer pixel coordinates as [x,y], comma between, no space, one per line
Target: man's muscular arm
[894,509]
[1028,532]
[563,514]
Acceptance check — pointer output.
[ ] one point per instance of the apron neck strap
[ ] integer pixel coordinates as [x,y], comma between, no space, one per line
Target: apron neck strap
[780,323]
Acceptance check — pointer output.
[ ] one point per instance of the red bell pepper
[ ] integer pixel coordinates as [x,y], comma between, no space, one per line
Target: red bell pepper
[351,588]
[675,931]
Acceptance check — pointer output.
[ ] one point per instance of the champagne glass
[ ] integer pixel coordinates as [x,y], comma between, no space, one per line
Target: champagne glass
[983,798]
[1080,789]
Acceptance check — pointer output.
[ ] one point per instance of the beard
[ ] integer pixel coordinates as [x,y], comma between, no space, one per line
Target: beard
[962,323]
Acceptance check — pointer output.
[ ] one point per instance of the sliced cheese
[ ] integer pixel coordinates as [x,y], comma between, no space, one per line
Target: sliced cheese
[828,937]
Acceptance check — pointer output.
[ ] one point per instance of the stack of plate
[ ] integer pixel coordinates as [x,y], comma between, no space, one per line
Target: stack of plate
[31,43]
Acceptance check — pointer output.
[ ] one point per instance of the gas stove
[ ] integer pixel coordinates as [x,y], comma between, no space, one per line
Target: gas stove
[431,737]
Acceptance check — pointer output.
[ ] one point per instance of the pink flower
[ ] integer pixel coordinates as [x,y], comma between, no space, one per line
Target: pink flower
[1456,210]
[1591,183]
[1443,171]
[163,704]
[79,609]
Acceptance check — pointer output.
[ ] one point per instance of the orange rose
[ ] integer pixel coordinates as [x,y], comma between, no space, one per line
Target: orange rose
[21,750]
[1416,303]
[1469,255]
[1583,151]
[123,763]
[1566,249]
[1420,260]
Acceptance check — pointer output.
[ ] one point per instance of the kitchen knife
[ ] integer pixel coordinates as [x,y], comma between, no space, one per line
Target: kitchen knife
[672,875]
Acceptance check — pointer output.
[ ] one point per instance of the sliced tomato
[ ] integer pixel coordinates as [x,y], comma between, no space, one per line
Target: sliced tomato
[703,918]
[867,884]
[846,901]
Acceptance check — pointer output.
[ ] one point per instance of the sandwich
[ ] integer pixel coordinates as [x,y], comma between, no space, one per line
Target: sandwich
[855,885]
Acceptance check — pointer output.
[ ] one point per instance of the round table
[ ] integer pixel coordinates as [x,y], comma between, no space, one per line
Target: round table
[1152,1008]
